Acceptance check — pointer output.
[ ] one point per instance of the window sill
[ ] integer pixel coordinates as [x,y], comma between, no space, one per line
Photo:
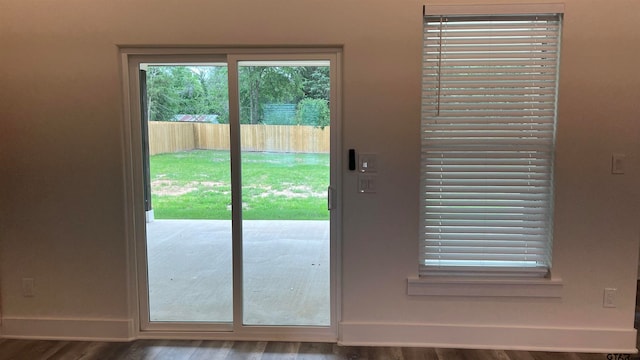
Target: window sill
[445,286]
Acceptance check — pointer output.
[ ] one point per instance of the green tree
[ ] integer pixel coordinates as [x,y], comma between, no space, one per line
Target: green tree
[191,93]
[316,82]
[260,85]
[195,90]
[161,95]
[203,90]
[214,82]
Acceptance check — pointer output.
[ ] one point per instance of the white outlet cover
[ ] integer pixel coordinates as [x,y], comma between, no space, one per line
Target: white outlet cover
[617,163]
[609,300]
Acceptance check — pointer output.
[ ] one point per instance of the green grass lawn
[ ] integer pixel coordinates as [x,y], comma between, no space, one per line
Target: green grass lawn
[276,186]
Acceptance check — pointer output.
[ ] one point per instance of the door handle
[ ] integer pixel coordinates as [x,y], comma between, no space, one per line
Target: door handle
[329,198]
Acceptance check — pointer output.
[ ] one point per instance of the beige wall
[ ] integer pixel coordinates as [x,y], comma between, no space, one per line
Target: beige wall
[62,203]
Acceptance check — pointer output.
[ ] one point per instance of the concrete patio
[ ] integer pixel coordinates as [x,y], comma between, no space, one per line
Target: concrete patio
[286,271]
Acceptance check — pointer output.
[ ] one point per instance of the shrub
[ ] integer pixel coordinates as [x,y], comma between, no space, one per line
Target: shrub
[314,112]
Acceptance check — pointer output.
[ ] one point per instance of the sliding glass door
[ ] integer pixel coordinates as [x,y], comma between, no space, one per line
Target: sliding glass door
[238,171]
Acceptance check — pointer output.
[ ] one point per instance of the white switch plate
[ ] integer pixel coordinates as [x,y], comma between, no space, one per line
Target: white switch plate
[367,183]
[368,163]
[617,163]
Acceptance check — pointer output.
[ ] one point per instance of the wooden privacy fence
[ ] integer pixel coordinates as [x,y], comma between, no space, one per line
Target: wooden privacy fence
[170,137]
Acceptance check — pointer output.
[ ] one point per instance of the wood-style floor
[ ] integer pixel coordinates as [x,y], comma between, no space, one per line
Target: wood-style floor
[241,350]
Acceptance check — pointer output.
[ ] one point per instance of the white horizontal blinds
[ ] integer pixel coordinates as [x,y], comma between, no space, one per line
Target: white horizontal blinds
[488,127]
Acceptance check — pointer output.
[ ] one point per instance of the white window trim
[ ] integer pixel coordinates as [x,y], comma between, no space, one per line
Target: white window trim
[484,287]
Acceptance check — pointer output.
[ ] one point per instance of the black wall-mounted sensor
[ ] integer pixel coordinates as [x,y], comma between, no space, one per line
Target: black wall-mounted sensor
[352,159]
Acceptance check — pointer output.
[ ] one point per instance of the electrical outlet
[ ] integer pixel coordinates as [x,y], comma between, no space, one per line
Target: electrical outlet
[617,163]
[28,287]
[609,300]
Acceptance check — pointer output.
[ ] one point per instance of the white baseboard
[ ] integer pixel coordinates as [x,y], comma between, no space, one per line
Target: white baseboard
[67,329]
[620,341]
[366,334]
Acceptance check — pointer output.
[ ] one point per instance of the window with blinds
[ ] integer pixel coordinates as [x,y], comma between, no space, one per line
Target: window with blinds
[488,137]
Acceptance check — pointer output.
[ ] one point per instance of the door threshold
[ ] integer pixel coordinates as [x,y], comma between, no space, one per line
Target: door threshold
[289,334]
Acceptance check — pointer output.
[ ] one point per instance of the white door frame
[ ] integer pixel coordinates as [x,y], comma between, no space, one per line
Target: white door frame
[131,58]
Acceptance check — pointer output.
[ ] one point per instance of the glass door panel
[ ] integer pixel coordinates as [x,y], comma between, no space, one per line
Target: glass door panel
[188,201]
[285,160]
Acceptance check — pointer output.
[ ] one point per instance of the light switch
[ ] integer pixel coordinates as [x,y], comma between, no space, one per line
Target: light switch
[367,183]
[617,163]
[368,163]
